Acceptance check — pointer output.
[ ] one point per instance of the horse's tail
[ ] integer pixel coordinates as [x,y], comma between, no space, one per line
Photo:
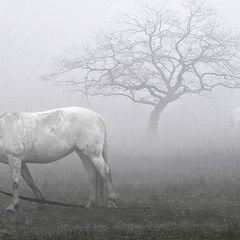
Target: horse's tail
[105,147]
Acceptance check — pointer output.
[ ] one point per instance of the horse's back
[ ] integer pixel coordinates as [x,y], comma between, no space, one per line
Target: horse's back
[50,135]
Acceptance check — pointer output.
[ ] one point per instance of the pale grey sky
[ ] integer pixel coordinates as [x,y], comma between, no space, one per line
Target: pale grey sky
[33,32]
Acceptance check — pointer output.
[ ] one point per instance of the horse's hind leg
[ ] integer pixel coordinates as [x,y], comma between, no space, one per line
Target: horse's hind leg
[104,171]
[92,180]
[29,180]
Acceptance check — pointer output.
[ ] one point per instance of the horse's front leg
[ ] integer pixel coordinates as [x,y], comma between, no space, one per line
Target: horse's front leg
[15,167]
[29,180]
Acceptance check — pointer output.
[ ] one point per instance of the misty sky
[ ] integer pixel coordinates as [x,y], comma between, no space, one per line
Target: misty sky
[33,32]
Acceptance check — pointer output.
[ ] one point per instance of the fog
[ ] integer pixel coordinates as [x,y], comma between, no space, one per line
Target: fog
[33,33]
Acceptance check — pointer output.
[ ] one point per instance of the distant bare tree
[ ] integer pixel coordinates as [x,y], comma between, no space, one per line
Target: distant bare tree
[157,57]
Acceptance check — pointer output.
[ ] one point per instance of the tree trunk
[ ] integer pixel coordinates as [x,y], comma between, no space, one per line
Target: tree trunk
[153,131]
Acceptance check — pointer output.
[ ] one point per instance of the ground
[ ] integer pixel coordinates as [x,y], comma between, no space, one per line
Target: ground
[196,217]
[188,199]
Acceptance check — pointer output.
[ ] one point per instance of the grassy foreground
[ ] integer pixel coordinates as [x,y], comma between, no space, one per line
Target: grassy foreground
[164,222]
[192,200]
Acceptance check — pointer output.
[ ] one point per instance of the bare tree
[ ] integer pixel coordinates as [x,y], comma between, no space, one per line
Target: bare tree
[157,57]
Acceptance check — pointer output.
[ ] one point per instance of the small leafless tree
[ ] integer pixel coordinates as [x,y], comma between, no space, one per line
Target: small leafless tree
[157,57]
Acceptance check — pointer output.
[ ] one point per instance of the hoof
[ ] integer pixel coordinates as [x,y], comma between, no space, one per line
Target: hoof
[91,204]
[12,208]
[41,207]
[112,204]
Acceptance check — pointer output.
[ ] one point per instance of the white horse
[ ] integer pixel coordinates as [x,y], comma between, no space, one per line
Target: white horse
[45,137]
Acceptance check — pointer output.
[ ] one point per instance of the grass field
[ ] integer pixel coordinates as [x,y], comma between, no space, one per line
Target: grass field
[195,218]
[191,198]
